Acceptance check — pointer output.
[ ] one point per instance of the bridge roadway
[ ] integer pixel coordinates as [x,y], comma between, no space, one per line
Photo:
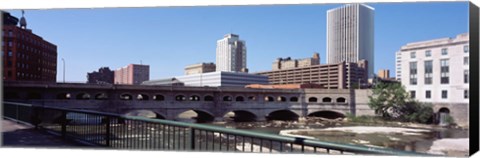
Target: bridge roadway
[169,102]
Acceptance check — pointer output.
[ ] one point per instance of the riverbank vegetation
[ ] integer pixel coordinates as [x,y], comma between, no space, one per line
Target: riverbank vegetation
[392,102]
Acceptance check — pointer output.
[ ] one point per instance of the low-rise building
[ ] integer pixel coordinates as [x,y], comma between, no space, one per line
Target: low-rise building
[331,76]
[199,68]
[436,71]
[288,63]
[104,75]
[216,79]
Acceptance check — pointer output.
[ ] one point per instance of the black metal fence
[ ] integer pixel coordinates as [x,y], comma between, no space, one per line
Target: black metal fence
[130,132]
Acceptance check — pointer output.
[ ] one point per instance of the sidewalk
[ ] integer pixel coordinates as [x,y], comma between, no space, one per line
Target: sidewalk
[20,135]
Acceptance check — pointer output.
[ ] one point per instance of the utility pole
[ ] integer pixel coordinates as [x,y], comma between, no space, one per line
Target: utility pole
[63,70]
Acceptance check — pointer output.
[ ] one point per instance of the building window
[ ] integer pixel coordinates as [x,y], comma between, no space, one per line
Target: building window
[444,51]
[10,53]
[9,73]
[465,94]
[428,53]
[465,60]
[465,76]
[10,44]
[9,63]
[428,94]
[412,55]
[466,49]
[444,94]
[413,73]
[412,94]
[444,79]
[428,72]
[10,33]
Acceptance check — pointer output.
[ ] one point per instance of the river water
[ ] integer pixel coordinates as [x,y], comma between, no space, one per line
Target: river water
[411,139]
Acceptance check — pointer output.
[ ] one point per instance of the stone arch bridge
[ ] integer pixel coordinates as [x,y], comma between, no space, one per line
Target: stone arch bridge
[168,102]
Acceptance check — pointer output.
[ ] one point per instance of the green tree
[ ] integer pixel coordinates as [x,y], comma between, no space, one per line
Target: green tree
[391,101]
[388,99]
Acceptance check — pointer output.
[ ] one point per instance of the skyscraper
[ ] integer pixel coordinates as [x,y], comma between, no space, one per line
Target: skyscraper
[231,54]
[350,35]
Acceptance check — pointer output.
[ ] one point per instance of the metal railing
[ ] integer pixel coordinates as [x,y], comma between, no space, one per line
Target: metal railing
[131,132]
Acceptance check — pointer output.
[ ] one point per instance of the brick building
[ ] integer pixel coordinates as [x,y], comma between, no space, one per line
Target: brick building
[104,75]
[330,76]
[26,56]
[132,74]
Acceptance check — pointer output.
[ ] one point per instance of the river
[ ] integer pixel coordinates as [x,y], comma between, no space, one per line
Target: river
[401,136]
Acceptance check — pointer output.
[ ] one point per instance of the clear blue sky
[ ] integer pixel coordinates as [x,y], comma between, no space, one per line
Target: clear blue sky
[170,38]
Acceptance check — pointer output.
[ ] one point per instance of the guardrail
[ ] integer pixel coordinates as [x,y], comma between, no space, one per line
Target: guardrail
[130,132]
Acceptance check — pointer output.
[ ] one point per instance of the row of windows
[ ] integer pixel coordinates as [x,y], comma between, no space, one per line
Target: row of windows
[444,72]
[428,53]
[29,39]
[86,96]
[428,94]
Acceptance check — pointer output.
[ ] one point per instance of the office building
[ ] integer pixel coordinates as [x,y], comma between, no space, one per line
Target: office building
[231,54]
[103,76]
[350,34]
[436,71]
[199,68]
[288,63]
[383,74]
[330,76]
[132,74]
[26,56]
[214,79]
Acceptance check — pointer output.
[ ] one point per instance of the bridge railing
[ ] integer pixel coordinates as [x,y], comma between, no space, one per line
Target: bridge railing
[130,132]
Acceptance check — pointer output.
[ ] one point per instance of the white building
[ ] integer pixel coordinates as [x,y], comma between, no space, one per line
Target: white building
[231,54]
[213,79]
[436,71]
[350,35]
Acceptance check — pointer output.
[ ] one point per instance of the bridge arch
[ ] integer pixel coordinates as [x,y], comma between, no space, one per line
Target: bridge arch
[126,96]
[101,96]
[194,98]
[64,96]
[227,98]
[252,98]
[180,97]
[142,96]
[283,115]
[239,99]
[281,99]
[158,97]
[208,98]
[200,116]
[327,100]
[341,100]
[145,113]
[240,116]
[82,96]
[294,99]
[269,99]
[312,100]
[329,114]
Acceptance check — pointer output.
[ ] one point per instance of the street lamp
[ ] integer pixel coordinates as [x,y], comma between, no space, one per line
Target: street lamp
[63,70]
